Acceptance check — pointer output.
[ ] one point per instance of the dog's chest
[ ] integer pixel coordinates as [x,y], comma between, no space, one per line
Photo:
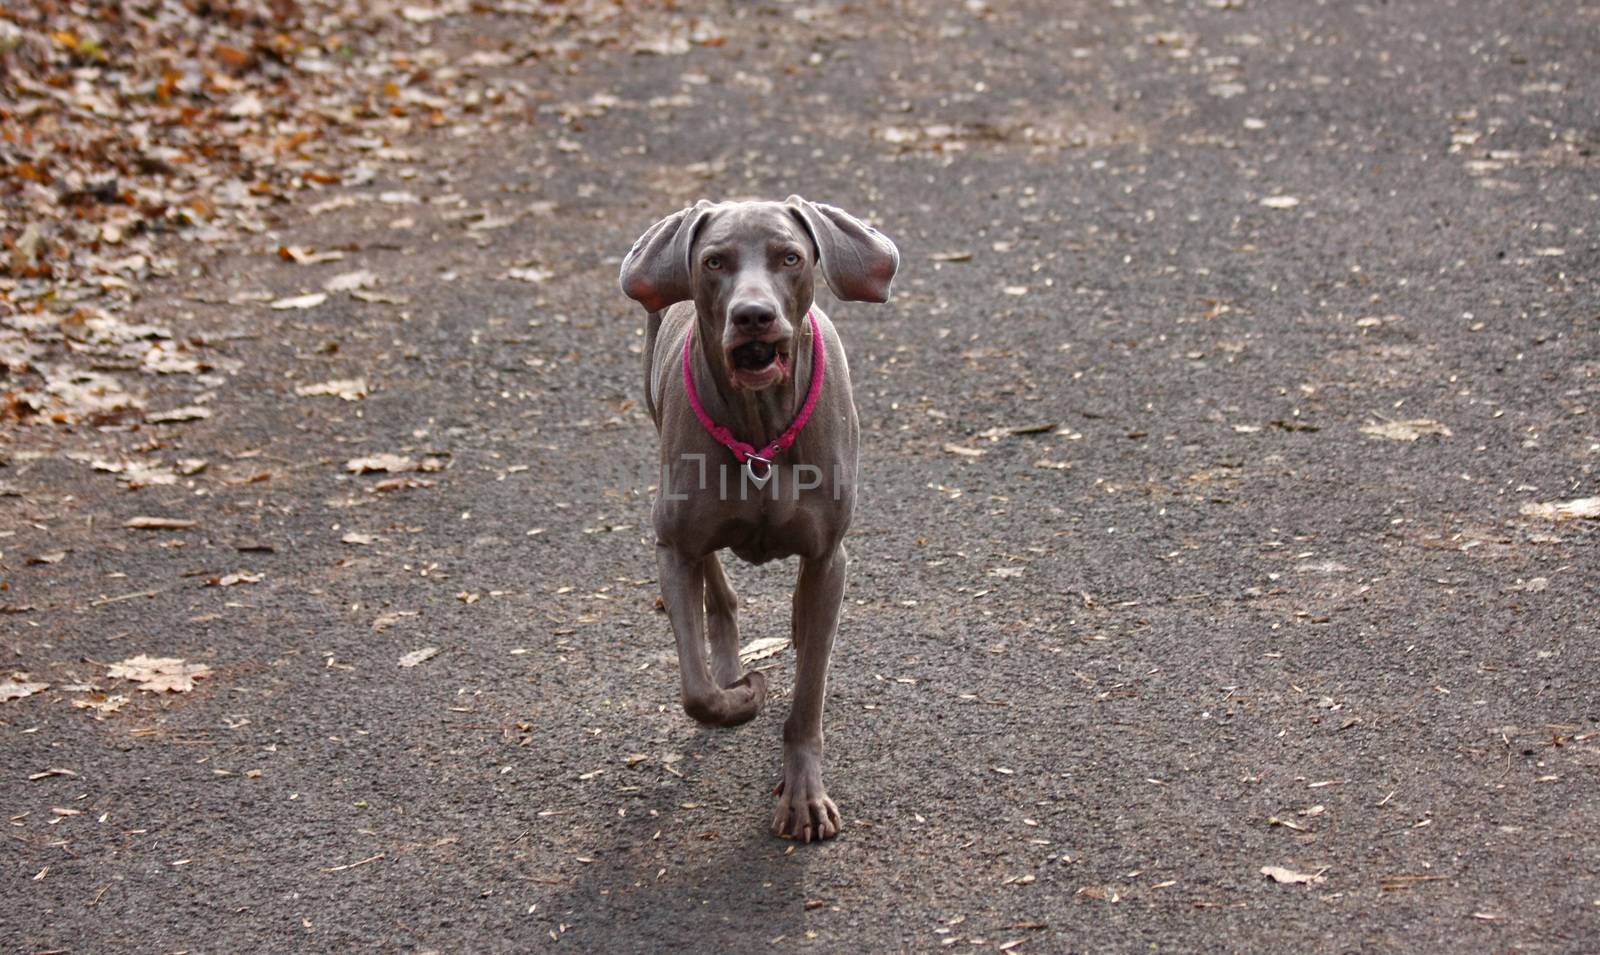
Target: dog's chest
[770,536]
[782,524]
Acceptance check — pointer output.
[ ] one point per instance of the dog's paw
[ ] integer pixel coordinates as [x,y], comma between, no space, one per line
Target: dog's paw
[731,705]
[804,810]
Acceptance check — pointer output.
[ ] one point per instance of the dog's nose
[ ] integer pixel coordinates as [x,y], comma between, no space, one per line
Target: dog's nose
[753,318]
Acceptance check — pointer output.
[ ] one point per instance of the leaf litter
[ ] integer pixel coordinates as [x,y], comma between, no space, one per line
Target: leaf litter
[136,134]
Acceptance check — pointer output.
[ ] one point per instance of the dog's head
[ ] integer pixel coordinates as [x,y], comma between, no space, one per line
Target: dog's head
[748,268]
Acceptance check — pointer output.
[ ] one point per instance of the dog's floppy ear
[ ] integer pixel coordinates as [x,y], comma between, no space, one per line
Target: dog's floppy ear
[858,261]
[655,272]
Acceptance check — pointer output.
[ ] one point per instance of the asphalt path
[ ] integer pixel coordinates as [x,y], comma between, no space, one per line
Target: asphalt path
[1235,346]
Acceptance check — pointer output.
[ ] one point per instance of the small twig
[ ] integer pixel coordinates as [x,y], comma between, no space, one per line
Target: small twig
[352,865]
[102,601]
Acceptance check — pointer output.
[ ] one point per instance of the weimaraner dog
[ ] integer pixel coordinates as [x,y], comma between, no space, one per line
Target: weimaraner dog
[746,381]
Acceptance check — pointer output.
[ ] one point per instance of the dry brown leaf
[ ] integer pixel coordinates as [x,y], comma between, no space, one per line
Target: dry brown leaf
[101,703]
[399,484]
[304,256]
[381,298]
[1101,893]
[418,656]
[1408,430]
[17,686]
[534,275]
[392,463]
[188,413]
[350,281]
[1291,877]
[1583,508]
[238,577]
[159,674]
[762,649]
[384,621]
[159,523]
[300,301]
[350,389]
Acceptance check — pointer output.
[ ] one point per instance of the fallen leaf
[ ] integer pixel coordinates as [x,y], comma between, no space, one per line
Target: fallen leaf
[391,463]
[382,298]
[54,557]
[16,687]
[399,484]
[159,674]
[137,474]
[159,523]
[418,656]
[101,703]
[300,301]
[1101,893]
[1291,877]
[530,275]
[762,649]
[350,281]
[384,621]
[350,389]
[248,106]
[1409,430]
[238,577]
[188,413]
[355,538]
[1583,508]
[303,256]
[963,451]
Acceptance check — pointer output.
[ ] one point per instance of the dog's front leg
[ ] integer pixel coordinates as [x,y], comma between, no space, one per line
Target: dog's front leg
[683,589]
[804,810]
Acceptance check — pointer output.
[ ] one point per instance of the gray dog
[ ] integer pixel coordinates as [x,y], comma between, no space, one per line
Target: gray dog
[750,393]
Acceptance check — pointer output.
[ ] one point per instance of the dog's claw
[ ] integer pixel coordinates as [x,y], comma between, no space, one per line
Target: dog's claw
[804,810]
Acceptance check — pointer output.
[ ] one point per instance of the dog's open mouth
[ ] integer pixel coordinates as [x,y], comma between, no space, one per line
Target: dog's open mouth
[759,363]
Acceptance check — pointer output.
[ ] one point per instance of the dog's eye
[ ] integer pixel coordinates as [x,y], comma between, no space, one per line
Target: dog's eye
[791,260]
[713,262]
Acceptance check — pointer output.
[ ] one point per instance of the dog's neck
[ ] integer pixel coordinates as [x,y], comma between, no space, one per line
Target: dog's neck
[754,416]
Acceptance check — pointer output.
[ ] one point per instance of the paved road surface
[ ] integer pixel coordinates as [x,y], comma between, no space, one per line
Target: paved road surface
[1090,680]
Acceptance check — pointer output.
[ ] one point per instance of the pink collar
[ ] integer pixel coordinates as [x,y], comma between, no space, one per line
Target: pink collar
[744,452]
